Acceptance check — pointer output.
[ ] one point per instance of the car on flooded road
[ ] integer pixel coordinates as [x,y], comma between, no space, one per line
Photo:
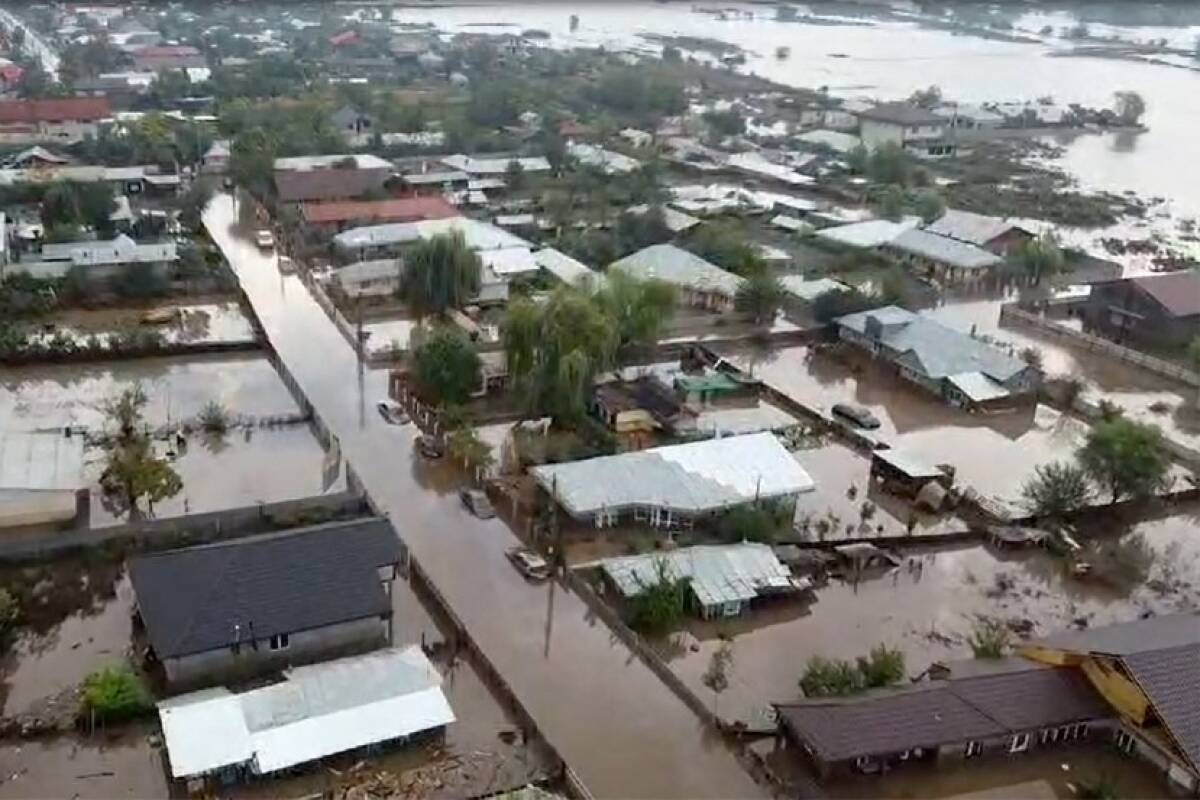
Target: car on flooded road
[477,502]
[857,416]
[529,563]
[264,239]
[392,412]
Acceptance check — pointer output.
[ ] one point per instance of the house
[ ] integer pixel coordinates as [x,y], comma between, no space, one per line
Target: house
[994,234]
[942,258]
[378,278]
[952,365]
[998,711]
[375,241]
[634,409]
[607,161]
[865,235]
[352,123]
[333,217]
[969,117]
[215,160]
[700,284]
[723,580]
[66,120]
[802,292]
[98,261]
[439,181]
[330,178]
[160,58]
[1147,672]
[673,486]
[566,269]
[902,473]
[244,606]
[41,479]
[386,697]
[35,157]
[676,221]
[494,166]
[907,126]
[1151,310]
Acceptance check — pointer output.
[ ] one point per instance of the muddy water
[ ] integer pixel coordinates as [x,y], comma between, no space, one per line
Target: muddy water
[100,768]
[202,323]
[608,714]
[54,396]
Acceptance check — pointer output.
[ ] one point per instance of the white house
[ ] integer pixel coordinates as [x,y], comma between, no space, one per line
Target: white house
[918,131]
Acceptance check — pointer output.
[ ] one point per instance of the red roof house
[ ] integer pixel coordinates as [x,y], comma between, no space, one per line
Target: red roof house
[338,215]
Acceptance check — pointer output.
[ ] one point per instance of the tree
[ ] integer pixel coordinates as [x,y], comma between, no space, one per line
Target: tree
[926,98]
[661,603]
[716,676]
[132,470]
[989,638]
[139,281]
[554,350]
[194,201]
[724,243]
[1130,106]
[640,310]
[882,666]
[761,295]
[930,205]
[725,123]
[440,273]
[1042,257]
[1056,490]
[514,176]
[858,159]
[114,694]
[1127,458]
[826,677]
[465,445]
[891,203]
[889,164]
[446,366]
[252,160]
[70,203]
[10,612]
[1033,357]
[830,305]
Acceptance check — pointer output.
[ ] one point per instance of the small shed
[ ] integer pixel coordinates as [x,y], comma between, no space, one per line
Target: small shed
[864,555]
[905,474]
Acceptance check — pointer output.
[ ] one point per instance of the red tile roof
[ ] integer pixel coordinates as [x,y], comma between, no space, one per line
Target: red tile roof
[400,209]
[1177,292]
[88,109]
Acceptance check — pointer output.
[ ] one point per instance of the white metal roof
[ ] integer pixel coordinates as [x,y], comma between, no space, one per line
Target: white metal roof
[316,711]
[609,161]
[872,233]
[944,250]
[789,223]
[365,271]
[808,290]
[689,478]
[978,387]
[562,266]
[907,463]
[478,235]
[361,161]
[121,250]
[834,140]
[509,261]
[967,226]
[494,166]
[666,262]
[754,164]
[718,573]
[676,221]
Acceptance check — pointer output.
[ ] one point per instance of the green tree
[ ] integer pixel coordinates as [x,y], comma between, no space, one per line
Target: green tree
[132,470]
[725,123]
[140,281]
[926,98]
[10,613]
[554,350]
[989,638]
[716,676]
[1130,106]
[882,666]
[69,203]
[194,201]
[440,273]
[1193,352]
[891,203]
[114,694]
[830,677]
[639,309]
[1042,257]
[724,243]
[252,160]
[465,445]
[858,159]
[761,296]
[1127,458]
[930,205]
[1056,490]
[445,366]
[63,232]
[660,605]
[830,305]
[889,164]
[514,176]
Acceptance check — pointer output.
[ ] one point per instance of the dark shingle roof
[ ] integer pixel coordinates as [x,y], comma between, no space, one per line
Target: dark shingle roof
[1171,679]
[1137,636]
[944,711]
[191,599]
[902,114]
[337,183]
[1177,292]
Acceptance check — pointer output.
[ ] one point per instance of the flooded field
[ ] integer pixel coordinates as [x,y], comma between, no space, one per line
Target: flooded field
[101,767]
[994,454]
[243,467]
[928,610]
[200,323]
[55,396]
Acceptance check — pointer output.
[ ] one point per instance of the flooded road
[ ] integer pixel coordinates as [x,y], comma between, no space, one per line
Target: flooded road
[611,718]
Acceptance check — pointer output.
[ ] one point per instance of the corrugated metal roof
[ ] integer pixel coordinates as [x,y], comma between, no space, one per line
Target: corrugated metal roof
[944,250]
[316,711]
[978,387]
[689,478]
[871,233]
[609,161]
[666,262]
[478,235]
[809,290]
[717,573]
[361,161]
[562,266]
[509,261]
[967,226]
[907,463]
[494,166]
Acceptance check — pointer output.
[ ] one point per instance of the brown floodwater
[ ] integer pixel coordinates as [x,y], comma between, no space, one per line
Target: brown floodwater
[611,718]
[1146,567]
[101,767]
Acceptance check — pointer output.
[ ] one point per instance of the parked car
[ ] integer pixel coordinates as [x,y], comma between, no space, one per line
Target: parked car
[856,415]
[529,563]
[477,503]
[286,265]
[430,446]
[264,239]
[392,412]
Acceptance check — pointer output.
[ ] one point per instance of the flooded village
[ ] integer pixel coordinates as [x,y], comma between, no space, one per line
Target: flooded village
[544,400]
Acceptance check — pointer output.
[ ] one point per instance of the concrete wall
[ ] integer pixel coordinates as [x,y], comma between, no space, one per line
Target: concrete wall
[214,667]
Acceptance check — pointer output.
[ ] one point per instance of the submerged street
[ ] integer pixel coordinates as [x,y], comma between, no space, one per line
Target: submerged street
[606,713]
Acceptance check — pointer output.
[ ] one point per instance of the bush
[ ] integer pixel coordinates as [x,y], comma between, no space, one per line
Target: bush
[114,694]
[10,612]
[661,604]
[214,417]
[989,638]
[824,677]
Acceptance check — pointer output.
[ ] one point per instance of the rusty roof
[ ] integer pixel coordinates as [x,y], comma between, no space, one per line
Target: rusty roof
[397,209]
[67,108]
[295,186]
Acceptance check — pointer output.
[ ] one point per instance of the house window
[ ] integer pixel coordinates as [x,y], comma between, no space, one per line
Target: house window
[1082,730]
[973,749]
[1125,742]
[279,641]
[1019,743]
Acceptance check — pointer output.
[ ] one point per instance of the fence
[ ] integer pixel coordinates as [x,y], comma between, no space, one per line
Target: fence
[1096,344]
[230,523]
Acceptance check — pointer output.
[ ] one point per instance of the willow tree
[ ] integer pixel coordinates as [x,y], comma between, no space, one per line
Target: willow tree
[555,349]
[440,273]
[639,309]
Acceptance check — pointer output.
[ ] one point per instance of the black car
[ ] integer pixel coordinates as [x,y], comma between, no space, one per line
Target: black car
[856,415]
